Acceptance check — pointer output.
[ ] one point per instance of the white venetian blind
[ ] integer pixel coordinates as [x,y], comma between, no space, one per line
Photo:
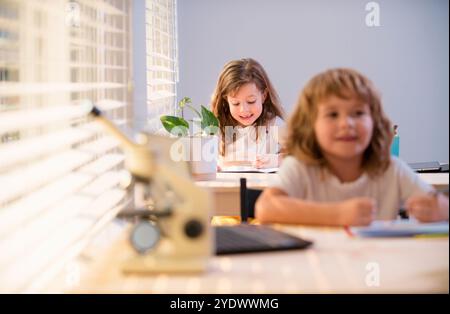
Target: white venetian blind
[161,60]
[59,173]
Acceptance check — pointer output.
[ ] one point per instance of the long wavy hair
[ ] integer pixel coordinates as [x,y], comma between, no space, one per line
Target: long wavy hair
[301,141]
[235,74]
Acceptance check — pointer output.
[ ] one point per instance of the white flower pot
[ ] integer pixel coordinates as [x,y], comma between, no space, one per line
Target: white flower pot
[201,152]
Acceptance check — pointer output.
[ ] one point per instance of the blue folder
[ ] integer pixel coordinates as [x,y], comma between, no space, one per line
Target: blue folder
[401,228]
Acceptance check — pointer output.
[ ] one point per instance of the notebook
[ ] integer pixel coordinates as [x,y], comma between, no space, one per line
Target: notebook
[239,169]
[401,228]
[246,238]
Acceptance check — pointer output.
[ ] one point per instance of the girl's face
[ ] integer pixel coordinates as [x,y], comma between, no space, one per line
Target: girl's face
[343,127]
[246,104]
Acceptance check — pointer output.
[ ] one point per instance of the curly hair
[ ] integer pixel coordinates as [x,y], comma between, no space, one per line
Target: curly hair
[301,141]
[235,74]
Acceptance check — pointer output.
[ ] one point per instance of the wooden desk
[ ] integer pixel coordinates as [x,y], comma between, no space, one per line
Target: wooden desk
[225,188]
[337,263]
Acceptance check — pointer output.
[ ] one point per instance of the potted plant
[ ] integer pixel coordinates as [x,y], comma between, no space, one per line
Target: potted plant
[199,147]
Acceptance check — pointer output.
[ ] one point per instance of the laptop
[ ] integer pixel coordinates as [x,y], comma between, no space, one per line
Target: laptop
[246,238]
[429,166]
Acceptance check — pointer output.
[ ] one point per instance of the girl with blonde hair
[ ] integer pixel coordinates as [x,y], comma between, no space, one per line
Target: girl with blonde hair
[339,170]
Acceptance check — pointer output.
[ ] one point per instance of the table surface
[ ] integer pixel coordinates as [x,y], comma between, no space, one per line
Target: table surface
[336,263]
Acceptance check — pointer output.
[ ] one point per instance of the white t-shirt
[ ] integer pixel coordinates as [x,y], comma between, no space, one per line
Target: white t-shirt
[313,183]
[247,147]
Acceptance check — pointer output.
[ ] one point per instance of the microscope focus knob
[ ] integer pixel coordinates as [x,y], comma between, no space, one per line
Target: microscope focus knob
[193,228]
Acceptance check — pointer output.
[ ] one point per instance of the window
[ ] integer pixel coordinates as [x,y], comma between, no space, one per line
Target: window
[59,172]
[155,49]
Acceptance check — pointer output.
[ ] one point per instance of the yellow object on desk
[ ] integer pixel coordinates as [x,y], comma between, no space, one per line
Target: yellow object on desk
[431,236]
[225,220]
[230,221]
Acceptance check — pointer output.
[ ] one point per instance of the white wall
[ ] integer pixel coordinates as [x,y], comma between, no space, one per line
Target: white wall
[407,56]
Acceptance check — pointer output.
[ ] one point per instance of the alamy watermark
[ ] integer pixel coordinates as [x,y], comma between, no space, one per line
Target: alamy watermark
[373,274]
[73,274]
[263,139]
[73,14]
[373,17]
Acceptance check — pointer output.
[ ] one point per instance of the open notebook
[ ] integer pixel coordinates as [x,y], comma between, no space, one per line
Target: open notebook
[248,169]
[401,228]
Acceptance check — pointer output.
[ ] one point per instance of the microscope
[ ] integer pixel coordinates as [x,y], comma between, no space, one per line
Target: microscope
[173,233]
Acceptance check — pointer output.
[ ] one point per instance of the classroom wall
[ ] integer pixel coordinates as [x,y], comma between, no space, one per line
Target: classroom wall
[407,56]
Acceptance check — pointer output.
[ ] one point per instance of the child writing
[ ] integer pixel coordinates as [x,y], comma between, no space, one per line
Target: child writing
[249,111]
[339,171]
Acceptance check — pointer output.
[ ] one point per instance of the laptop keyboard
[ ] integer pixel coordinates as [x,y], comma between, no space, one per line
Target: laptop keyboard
[251,238]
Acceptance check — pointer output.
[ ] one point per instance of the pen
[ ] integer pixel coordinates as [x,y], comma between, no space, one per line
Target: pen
[348,231]
[403,213]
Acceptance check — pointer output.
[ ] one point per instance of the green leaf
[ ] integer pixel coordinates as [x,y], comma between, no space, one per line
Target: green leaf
[184,101]
[209,123]
[175,125]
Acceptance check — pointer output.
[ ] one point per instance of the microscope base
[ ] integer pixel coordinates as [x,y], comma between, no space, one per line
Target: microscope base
[164,264]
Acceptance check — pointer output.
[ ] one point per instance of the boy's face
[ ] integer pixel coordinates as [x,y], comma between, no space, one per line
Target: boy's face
[343,127]
[246,104]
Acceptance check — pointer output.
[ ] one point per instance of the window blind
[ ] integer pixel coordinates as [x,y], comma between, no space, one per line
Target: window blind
[161,60]
[59,172]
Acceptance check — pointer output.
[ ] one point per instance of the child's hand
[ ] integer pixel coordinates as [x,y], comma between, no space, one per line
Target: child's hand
[359,211]
[428,208]
[261,161]
[265,161]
